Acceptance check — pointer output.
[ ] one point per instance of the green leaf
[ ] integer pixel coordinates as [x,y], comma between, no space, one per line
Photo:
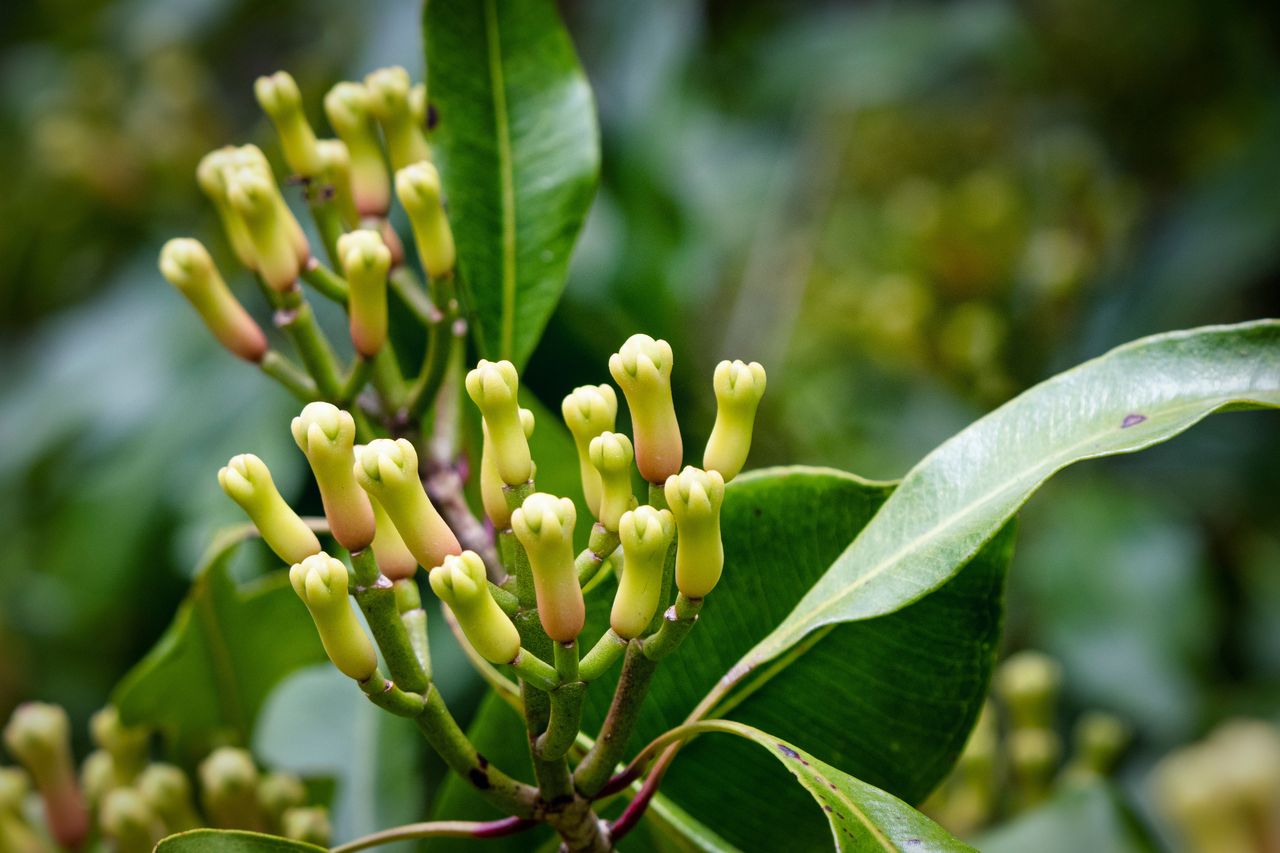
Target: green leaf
[961,494]
[231,841]
[228,646]
[861,817]
[519,154]
[1092,817]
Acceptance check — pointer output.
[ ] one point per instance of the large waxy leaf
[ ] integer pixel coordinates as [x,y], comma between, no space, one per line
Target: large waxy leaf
[228,646]
[961,494]
[519,154]
[231,841]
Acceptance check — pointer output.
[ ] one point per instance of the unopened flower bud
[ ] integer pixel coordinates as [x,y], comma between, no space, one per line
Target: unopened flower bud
[1028,683]
[39,736]
[335,178]
[310,825]
[642,369]
[739,387]
[16,835]
[589,411]
[279,792]
[611,457]
[388,471]
[326,435]
[130,822]
[491,486]
[271,227]
[494,387]
[646,535]
[247,481]
[280,99]
[418,104]
[97,777]
[460,582]
[167,790]
[127,745]
[544,526]
[186,264]
[694,497]
[211,176]
[321,583]
[418,188]
[365,263]
[347,106]
[389,91]
[1034,753]
[1099,739]
[395,560]
[229,789]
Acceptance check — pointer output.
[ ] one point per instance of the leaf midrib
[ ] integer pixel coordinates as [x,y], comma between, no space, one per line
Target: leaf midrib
[506,176]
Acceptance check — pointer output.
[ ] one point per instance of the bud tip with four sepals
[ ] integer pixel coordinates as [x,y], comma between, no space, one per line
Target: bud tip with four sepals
[321,582]
[611,457]
[642,369]
[460,582]
[494,388]
[645,534]
[694,497]
[544,525]
[388,470]
[365,263]
[281,100]
[247,481]
[186,264]
[418,188]
[739,387]
[326,436]
[588,411]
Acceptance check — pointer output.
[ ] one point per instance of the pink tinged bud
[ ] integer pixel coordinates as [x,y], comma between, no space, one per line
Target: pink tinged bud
[388,471]
[646,535]
[389,101]
[460,583]
[365,263]
[738,387]
[39,736]
[544,526]
[347,106]
[271,227]
[494,388]
[694,497]
[326,435]
[247,481]
[642,369]
[589,411]
[418,188]
[280,99]
[187,266]
[393,556]
[492,492]
[335,177]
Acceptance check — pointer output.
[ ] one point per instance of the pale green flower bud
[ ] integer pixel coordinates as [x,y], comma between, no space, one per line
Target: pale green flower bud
[229,790]
[321,583]
[247,481]
[347,106]
[1028,683]
[16,835]
[97,777]
[1033,756]
[335,177]
[388,471]
[491,486]
[395,560]
[127,745]
[39,736]
[280,99]
[611,457]
[271,227]
[129,822]
[460,582]
[389,91]
[642,369]
[279,792]
[589,411]
[418,104]
[15,784]
[544,526]
[694,497]
[365,263]
[308,824]
[646,535]
[739,387]
[1099,739]
[167,790]
[186,264]
[211,176]
[494,388]
[418,188]
[327,435]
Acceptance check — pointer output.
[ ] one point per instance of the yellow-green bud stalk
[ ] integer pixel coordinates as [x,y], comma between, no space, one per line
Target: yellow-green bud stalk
[247,481]
[589,411]
[642,369]
[229,790]
[694,497]
[211,176]
[97,777]
[1099,739]
[335,174]
[492,495]
[186,264]
[388,471]
[277,793]
[16,835]
[127,745]
[494,388]
[280,99]
[389,91]
[1034,753]
[418,188]
[739,387]
[310,825]
[39,736]
[130,822]
[1028,684]
[646,535]
[167,790]
[276,257]
[611,457]
[347,106]
[460,582]
[327,435]
[393,556]
[544,526]
[365,263]
[321,583]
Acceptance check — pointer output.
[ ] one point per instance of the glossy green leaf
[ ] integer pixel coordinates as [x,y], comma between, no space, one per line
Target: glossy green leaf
[231,841]
[1092,817]
[227,647]
[962,493]
[519,153]
[860,816]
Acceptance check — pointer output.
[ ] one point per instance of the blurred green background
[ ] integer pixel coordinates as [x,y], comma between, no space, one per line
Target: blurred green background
[909,211]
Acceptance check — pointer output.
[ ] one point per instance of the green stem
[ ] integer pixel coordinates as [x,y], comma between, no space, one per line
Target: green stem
[601,544]
[281,368]
[566,658]
[520,567]
[296,319]
[535,671]
[598,764]
[357,378]
[600,659]
[389,381]
[326,282]
[324,211]
[507,601]
[405,284]
[658,500]
[377,601]
[409,603]
[677,622]
[565,720]
[387,696]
